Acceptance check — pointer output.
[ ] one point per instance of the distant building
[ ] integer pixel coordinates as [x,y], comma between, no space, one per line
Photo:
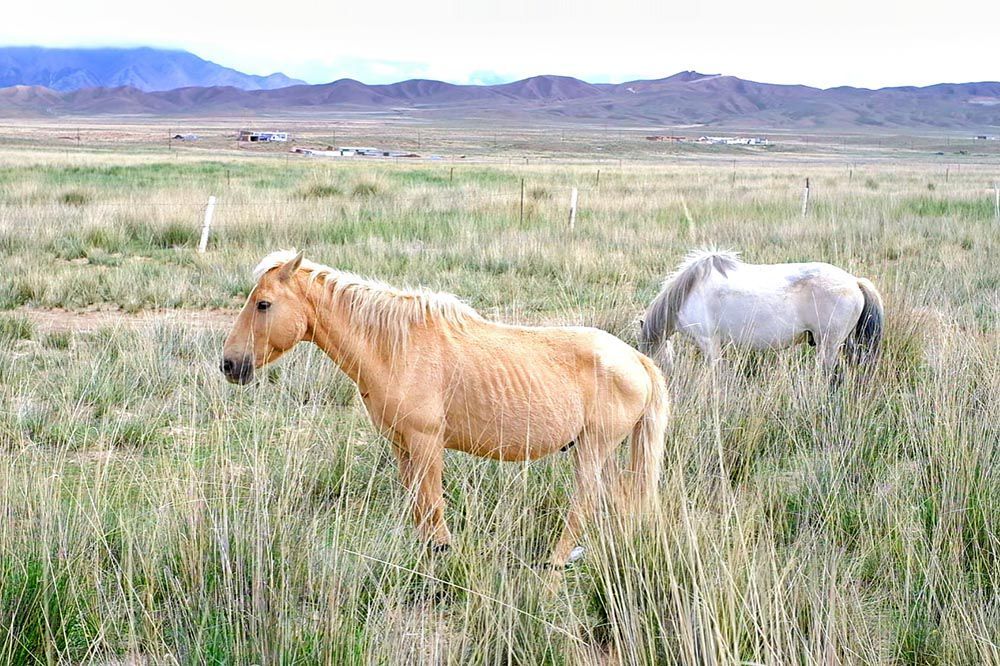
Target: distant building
[262,137]
[986,137]
[735,140]
[185,137]
[661,137]
[352,151]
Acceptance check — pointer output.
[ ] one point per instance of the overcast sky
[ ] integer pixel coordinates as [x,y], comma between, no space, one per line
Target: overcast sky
[868,43]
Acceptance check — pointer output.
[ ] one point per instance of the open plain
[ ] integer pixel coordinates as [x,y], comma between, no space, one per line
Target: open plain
[152,513]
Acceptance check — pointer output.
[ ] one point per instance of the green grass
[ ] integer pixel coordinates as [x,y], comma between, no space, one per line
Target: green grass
[152,511]
[14,328]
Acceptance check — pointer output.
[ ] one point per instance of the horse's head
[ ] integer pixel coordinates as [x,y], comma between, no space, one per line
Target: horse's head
[274,319]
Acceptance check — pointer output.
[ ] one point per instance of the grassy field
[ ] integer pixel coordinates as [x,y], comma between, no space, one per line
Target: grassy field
[152,513]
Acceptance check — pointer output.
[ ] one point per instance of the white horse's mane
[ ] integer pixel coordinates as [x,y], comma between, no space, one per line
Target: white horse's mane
[374,304]
[728,257]
[661,316]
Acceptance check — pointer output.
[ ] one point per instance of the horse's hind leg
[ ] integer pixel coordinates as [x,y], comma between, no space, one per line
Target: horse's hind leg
[828,349]
[591,456]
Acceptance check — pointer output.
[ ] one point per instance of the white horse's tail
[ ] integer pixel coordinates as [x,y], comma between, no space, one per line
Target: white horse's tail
[660,320]
[865,342]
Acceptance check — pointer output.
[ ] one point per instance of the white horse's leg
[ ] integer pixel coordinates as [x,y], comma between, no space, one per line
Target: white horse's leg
[831,343]
[711,348]
[828,353]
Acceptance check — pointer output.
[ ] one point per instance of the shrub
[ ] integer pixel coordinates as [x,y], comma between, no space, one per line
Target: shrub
[14,328]
[74,198]
[365,189]
[319,191]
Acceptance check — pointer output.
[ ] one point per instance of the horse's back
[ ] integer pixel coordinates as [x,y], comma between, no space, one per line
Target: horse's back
[770,305]
[524,392]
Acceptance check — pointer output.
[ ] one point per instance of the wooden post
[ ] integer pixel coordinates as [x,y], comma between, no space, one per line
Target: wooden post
[522,201]
[598,178]
[451,175]
[805,199]
[996,199]
[572,209]
[208,223]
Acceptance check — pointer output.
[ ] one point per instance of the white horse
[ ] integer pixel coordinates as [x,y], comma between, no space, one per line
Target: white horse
[716,299]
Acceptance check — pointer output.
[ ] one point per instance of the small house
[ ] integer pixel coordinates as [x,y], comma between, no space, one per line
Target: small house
[262,137]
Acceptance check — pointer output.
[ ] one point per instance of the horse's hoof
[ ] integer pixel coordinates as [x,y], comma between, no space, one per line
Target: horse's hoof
[575,555]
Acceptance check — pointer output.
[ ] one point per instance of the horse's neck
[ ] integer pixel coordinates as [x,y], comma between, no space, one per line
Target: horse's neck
[347,342]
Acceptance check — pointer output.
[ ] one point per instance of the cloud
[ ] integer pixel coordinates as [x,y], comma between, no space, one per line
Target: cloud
[781,41]
[367,70]
[375,70]
[484,77]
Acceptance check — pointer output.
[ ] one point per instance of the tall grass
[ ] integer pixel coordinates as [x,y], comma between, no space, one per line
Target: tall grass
[153,513]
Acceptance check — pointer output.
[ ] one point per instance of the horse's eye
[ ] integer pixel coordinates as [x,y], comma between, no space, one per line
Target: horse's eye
[263,305]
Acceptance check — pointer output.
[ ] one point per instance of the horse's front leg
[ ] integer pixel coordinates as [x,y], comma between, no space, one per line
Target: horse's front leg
[421,463]
[711,348]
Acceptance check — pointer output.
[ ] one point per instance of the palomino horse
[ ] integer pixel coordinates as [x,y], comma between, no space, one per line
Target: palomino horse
[433,374]
[716,299]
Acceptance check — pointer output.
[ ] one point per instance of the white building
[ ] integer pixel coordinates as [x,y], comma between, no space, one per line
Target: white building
[735,140]
[262,137]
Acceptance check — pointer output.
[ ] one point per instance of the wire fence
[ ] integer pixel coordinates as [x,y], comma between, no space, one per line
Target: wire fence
[549,192]
[553,197]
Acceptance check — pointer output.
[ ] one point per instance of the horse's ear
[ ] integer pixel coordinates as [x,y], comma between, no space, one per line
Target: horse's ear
[288,268]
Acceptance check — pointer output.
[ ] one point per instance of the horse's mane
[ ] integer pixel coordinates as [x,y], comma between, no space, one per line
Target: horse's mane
[376,305]
[661,316]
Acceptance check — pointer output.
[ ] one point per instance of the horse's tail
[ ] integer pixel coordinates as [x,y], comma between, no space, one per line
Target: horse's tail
[865,342]
[648,435]
[660,320]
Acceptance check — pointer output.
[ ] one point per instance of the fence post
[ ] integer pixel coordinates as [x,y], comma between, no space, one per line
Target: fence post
[572,209]
[996,199]
[598,178]
[208,223]
[805,199]
[522,201]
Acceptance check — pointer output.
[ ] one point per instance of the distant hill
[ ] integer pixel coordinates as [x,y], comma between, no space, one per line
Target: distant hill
[686,98]
[145,69]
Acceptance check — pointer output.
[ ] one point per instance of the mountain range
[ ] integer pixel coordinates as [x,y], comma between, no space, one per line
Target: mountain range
[146,69]
[684,99]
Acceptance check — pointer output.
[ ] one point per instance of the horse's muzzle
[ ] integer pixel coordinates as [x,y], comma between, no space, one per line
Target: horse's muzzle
[237,370]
